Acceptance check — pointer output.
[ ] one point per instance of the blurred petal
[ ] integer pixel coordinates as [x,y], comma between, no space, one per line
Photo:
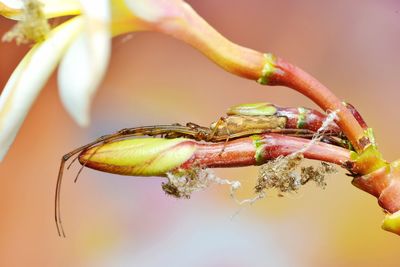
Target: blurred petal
[12,3]
[155,10]
[124,20]
[99,9]
[58,8]
[13,9]
[29,78]
[84,64]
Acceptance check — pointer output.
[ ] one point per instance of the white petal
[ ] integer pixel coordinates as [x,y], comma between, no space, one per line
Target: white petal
[96,10]
[58,8]
[28,79]
[154,10]
[13,9]
[85,63]
[15,4]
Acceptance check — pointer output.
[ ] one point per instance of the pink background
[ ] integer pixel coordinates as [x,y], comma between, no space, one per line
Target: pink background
[351,46]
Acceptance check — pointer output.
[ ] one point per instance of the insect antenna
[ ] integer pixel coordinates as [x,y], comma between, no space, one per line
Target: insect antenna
[57,215]
[57,205]
[64,159]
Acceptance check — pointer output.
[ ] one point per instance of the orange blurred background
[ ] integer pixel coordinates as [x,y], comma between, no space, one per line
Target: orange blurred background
[351,46]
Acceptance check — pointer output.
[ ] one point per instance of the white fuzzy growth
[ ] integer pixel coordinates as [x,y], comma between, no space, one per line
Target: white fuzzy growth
[332,116]
[200,179]
[186,182]
[197,180]
[281,173]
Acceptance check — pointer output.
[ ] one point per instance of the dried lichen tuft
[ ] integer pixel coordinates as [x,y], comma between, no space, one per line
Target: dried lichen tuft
[182,183]
[281,174]
[33,27]
[317,175]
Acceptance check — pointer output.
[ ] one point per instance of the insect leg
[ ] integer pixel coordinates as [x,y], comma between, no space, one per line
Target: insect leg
[64,159]
[124,133]
[215,127]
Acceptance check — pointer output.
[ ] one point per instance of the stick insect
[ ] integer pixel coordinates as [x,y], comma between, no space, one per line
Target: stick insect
[240,121]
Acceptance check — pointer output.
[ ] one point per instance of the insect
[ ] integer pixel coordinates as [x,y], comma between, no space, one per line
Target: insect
[241,121]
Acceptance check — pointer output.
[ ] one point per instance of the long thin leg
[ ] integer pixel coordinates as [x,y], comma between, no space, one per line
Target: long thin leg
[214,132]
[191,130]
[124,133]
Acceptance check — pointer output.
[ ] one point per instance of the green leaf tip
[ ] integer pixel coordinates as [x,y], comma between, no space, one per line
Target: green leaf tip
[391,223]
[253,109]
[268,69]
[368,160]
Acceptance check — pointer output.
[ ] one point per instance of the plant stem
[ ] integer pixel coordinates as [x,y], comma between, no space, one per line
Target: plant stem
[157,156]
[264,68]
[295,78]
[257,150]
[191,28]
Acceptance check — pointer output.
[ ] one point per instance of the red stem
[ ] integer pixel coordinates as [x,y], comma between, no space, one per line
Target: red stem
[356,115]
[305,118]
[247,151]
[250,151]
[295,78]
[251,64]
[384,184]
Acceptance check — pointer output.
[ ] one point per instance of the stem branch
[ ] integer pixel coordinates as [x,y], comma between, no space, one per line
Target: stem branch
[264,68]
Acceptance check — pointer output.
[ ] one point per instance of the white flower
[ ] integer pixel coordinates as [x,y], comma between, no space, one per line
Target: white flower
[83,46]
